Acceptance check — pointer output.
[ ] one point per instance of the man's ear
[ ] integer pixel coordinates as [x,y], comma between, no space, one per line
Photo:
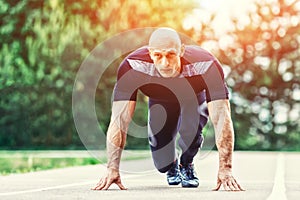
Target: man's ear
[182,50]
[150,53]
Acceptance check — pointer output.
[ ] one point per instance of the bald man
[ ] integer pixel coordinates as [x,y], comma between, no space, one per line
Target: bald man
[184,84]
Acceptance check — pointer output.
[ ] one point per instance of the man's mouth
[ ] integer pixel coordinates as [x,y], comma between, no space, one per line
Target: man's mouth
[166,70]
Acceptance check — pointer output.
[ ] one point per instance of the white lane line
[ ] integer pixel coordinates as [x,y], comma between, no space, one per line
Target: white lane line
[45,188]
[58,187]
[279,190]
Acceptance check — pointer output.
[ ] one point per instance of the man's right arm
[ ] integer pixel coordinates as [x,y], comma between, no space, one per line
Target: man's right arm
[122,113]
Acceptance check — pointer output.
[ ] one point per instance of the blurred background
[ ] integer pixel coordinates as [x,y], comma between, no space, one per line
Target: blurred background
[43,43]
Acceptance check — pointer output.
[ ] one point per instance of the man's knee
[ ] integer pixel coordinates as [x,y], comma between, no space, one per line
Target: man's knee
[163,162]
[164,169]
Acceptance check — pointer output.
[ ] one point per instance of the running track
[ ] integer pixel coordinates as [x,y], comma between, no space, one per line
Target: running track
[264,175]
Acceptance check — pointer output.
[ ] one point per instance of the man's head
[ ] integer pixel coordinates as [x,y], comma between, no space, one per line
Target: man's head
[165,50]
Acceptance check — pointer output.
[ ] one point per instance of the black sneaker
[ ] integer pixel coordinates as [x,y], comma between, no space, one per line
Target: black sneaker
[173,175]
[189,178]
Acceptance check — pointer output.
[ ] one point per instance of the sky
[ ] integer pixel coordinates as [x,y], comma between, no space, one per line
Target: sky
[226,6]
[224,9]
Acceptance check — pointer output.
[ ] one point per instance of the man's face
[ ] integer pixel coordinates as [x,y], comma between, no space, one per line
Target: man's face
[166,61]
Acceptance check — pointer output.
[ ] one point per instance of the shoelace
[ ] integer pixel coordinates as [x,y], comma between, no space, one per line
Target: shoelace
[188,171]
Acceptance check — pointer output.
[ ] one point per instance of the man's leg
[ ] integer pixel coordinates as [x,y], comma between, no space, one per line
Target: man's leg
[193,119]
[162,130]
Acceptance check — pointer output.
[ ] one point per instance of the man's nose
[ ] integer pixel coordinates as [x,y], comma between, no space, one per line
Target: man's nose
[165,61]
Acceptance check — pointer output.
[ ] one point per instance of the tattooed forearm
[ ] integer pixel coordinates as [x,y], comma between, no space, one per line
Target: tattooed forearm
[219,112]
[221,119]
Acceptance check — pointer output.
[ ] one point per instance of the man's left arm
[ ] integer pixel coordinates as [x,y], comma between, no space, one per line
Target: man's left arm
[219,112]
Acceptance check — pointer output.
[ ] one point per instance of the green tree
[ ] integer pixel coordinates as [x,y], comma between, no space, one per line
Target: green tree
[262,57]
[43,44]
[37,74]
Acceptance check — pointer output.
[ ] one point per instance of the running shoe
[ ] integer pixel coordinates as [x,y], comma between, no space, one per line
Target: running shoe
[188,176]
[173,174]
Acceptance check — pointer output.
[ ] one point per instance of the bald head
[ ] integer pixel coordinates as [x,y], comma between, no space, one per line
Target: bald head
[164,38]
[166,50]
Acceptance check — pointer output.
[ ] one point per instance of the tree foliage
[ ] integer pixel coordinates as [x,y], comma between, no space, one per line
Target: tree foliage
[43,44]
[262,60]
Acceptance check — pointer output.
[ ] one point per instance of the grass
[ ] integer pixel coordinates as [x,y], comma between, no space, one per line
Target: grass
[23,165]
[31,161]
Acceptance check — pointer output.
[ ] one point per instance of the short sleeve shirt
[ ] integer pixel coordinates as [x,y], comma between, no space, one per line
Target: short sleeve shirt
[200,71]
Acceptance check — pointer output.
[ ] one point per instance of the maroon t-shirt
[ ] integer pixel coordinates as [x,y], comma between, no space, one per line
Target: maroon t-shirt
[200,72]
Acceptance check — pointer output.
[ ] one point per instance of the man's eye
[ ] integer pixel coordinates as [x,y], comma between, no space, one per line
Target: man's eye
[157,55]
[171,55]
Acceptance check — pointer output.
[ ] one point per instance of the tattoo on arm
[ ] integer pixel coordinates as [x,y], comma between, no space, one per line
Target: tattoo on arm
[224,134]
